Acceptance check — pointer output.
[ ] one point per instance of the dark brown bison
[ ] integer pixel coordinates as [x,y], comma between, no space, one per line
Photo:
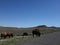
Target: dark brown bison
[6,34]
[36,32]
[10,34]
[25,34]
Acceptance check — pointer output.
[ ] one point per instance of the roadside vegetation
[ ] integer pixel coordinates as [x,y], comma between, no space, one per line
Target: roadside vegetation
[19,31]
[14,40]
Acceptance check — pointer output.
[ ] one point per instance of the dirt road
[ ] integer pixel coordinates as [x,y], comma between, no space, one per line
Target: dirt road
[50,39]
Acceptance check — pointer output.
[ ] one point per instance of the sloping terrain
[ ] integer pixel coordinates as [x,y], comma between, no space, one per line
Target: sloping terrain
[18,31]
[50,39]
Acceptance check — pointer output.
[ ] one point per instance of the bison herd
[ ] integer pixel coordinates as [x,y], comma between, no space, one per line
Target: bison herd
[10,34]
[6,34]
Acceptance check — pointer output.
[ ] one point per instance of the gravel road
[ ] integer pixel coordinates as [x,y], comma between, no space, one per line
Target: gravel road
[49,39]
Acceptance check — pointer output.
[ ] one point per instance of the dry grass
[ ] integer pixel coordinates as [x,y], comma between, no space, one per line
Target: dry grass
[13,41]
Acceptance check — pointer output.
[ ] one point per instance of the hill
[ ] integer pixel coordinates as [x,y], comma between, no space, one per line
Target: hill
[18,31]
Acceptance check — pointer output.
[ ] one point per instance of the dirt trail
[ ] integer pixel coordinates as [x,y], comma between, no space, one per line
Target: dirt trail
[50,39]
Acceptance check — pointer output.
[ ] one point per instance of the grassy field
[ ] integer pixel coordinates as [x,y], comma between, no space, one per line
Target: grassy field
[14,40]
[20,31]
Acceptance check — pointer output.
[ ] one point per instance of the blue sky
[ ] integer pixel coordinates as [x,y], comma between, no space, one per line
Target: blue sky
[29,13]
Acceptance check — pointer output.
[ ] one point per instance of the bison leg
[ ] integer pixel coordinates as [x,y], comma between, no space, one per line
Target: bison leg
[33,35]
[39,34]
[5,37]
[11,35]
[1,36]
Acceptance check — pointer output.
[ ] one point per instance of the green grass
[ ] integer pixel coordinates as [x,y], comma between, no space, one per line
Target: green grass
[13,41]
[19,39]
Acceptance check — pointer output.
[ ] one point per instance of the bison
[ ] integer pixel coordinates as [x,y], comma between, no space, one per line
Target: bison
[25,34]
[36,32]
[6,34]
